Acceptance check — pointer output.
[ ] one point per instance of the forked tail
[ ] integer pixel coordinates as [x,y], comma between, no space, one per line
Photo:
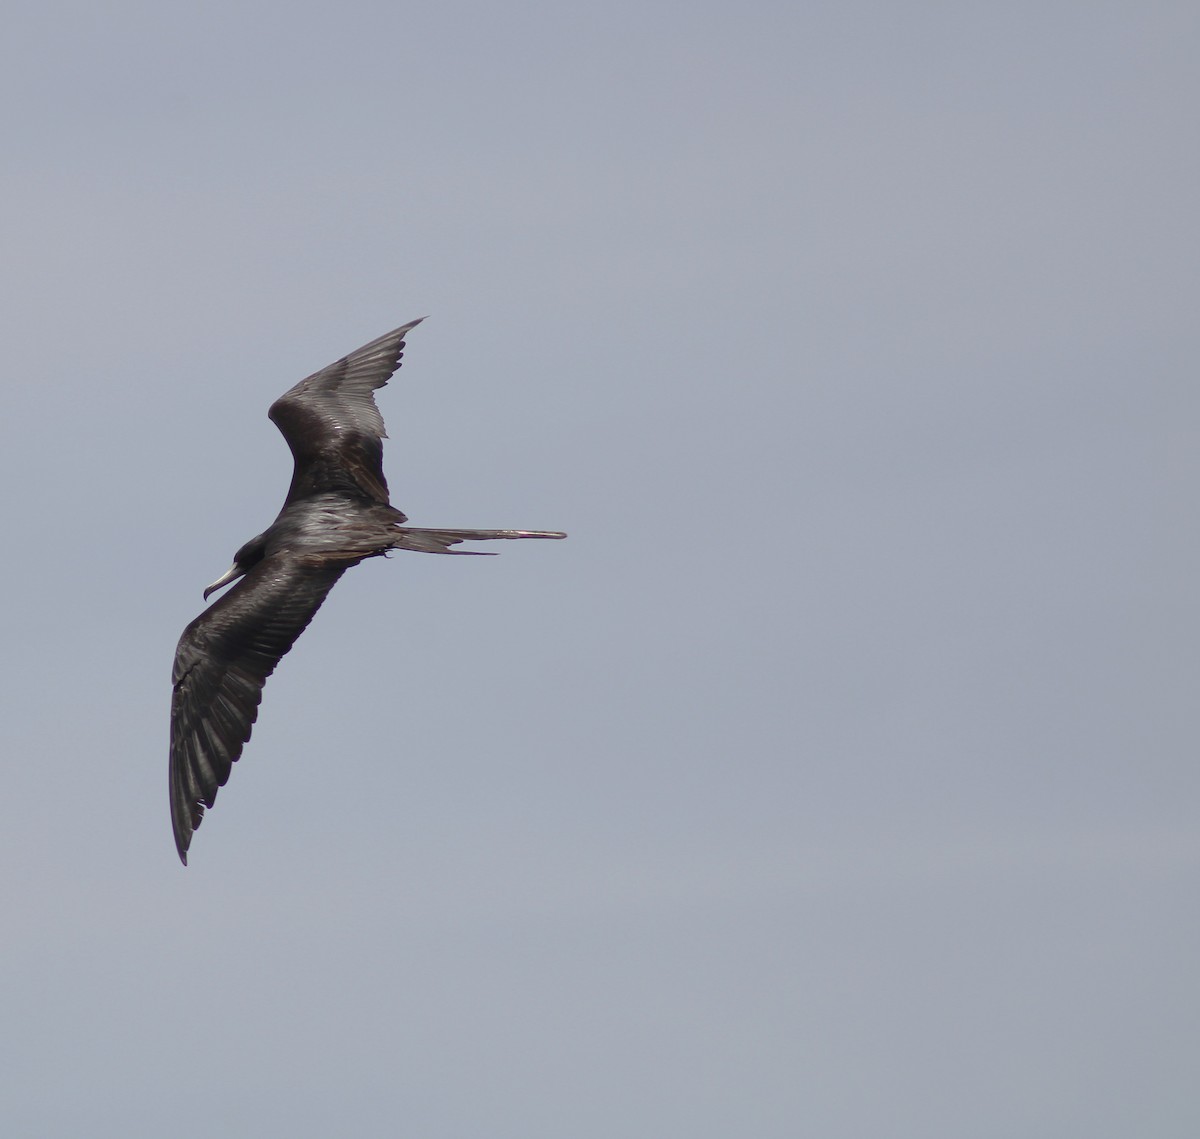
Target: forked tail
[440,541]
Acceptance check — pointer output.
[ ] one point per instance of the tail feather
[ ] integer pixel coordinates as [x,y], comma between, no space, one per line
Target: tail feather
[439,541]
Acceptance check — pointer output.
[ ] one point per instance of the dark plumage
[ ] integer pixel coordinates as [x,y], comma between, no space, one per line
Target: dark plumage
[336,514]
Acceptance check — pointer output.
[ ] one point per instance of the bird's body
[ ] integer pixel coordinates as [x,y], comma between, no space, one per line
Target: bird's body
[336,514]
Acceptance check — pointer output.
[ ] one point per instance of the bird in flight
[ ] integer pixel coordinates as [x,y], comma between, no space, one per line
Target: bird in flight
[336,514]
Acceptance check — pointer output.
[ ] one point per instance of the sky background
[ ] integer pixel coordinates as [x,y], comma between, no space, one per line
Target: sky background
[837,777]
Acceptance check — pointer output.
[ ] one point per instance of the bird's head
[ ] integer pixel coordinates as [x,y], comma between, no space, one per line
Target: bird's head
[243,562]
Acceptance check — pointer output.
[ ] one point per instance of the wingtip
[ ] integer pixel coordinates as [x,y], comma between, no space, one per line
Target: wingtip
[182,841]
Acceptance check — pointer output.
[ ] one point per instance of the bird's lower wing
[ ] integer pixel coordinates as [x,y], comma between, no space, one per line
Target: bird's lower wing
[221,664]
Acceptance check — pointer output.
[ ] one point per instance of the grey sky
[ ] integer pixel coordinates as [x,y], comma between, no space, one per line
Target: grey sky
[837,777]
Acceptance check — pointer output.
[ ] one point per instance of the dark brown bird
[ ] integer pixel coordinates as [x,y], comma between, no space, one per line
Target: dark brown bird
[336,514]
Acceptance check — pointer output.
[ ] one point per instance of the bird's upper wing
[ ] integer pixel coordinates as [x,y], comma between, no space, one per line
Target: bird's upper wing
[221,664]
[332,425]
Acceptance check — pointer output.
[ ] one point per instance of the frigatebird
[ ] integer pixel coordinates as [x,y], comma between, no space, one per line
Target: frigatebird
[336,514]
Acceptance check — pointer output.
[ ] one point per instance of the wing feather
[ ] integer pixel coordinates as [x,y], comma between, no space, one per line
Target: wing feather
[332,424]
[221,664]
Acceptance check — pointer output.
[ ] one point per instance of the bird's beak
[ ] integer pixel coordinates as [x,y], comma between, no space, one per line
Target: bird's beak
[231,574]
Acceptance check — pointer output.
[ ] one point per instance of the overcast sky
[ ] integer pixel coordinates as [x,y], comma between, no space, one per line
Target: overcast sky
[837,777]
